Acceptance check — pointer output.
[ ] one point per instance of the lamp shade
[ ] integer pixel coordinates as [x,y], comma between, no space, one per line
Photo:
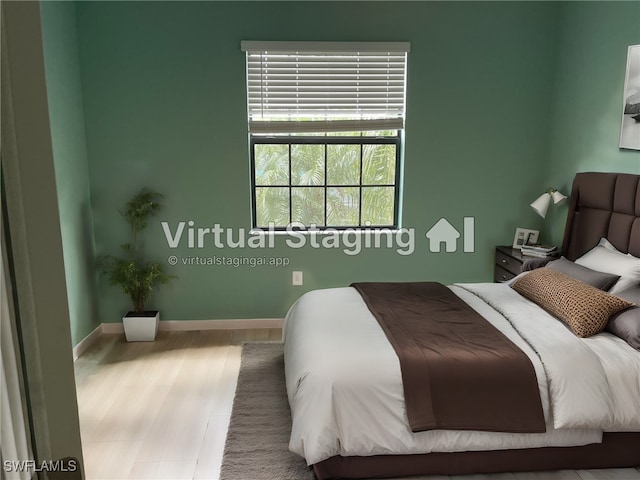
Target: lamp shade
[541,205]
[558,197]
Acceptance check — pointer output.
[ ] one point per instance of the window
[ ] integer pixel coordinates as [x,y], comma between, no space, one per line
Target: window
[326,125]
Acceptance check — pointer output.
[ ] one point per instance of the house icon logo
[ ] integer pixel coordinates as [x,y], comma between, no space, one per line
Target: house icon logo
[443,233]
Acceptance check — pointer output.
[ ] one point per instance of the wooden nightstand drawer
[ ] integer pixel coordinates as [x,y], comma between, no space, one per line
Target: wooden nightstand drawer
[501,275]
[508,263]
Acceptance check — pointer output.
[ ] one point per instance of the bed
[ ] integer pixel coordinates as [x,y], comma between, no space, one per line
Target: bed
[347,398]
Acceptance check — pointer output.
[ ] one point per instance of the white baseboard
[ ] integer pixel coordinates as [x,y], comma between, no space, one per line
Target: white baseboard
[180,325]
[236,323]
[87,341]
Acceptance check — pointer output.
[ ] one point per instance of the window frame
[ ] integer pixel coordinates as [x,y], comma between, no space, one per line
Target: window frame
[397,140]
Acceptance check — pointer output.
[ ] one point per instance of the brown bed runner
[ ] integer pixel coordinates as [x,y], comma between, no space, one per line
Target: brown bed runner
[459,372]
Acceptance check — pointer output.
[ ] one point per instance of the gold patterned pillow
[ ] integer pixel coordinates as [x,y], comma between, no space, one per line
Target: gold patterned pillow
[584,308]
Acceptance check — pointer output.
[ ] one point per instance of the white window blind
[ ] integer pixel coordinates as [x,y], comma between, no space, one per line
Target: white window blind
[325,86]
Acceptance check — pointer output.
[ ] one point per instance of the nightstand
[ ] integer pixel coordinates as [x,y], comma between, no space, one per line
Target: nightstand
[508,263]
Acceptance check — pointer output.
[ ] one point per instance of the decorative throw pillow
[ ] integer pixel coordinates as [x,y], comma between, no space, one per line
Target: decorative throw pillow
[626,324]
[601,280]
[605,258]
[584,308]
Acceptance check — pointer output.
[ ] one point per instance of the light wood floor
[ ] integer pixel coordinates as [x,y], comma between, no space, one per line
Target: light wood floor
[161,410]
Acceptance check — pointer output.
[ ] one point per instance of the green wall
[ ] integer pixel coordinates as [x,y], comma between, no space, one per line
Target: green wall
[504,99]
[164,97]
[588,96]
[66,115]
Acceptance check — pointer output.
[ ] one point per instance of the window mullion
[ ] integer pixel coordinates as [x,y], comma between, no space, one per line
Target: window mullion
[360,189]
[290,189]
[326,191]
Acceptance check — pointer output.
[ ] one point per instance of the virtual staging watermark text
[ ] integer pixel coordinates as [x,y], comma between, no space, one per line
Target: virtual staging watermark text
[351,240]
[32,466]
[227,261]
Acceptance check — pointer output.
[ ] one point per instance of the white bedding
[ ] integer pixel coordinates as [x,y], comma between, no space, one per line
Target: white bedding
[345,388]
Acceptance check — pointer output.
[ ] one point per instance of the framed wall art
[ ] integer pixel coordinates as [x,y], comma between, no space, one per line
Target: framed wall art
[630,128]
[524,236]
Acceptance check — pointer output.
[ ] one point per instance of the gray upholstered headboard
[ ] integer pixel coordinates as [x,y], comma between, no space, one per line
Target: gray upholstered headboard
[603,205]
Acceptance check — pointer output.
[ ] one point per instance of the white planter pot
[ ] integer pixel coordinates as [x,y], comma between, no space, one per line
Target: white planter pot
[141,328]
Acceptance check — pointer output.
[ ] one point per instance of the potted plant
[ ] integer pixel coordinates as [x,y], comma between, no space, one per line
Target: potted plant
[136,276]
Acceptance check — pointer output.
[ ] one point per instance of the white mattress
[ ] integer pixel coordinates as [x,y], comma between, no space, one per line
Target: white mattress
[345,388]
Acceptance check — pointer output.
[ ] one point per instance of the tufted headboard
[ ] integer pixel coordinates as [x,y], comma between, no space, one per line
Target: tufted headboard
[603,205]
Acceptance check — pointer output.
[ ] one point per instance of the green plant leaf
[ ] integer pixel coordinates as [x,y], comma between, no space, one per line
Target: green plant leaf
[136,277]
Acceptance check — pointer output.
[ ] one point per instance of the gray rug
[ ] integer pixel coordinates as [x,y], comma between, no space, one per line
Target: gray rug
[257,446]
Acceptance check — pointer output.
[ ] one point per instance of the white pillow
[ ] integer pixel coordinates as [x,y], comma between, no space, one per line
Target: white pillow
[605,258]
[609,246]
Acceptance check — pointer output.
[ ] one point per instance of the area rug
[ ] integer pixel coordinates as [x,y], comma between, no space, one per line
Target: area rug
[257,446]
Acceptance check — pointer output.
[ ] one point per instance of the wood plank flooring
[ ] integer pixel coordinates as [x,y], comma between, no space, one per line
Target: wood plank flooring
[161,410]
